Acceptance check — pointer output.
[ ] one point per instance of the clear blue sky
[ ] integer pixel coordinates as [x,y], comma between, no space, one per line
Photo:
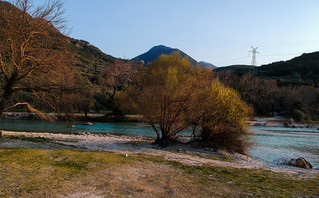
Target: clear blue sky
[214,31]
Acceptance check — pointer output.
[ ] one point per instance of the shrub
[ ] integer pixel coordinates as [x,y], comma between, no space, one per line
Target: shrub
[298,115]
[224,124]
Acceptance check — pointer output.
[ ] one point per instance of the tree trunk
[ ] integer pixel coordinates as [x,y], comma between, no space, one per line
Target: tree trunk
[1,109]
[8,91]
[157,133]
[86,115]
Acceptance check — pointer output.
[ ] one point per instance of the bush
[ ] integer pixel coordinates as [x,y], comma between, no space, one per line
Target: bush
[224,124]
[298,115]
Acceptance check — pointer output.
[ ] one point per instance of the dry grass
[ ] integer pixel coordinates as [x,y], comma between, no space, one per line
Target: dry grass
[78,173]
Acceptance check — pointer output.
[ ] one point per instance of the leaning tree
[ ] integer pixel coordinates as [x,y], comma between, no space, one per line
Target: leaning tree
[33,56]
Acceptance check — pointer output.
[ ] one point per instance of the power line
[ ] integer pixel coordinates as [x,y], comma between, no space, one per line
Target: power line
[280,54]
[283,54]
[286,54]
[231,59]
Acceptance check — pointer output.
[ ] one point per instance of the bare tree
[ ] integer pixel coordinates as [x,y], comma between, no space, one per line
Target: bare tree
[33,59]
[118,75]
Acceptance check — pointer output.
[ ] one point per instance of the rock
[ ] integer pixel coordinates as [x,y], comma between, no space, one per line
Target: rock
[89,123]
[300,162]
[283,161]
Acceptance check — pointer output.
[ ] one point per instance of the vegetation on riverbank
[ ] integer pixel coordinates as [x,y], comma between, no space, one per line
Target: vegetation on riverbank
[43,173]
[172,96]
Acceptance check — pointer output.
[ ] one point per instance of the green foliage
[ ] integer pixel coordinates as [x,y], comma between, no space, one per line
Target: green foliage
[300,116]
[30,139]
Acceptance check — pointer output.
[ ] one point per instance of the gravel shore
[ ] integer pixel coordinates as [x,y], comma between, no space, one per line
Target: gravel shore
[185,154]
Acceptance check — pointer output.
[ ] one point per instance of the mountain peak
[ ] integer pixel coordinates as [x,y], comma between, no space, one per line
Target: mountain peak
[152,54]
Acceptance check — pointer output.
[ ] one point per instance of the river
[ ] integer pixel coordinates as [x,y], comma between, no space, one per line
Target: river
[268,143]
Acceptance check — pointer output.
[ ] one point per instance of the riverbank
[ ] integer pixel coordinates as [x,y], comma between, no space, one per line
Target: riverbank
[92,117]
[280,122]
[92,165]
[183,153]
[108,117]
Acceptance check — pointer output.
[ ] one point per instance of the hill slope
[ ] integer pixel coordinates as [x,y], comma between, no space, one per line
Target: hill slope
[89,59]
[300,70]
[205,64]
[236,68]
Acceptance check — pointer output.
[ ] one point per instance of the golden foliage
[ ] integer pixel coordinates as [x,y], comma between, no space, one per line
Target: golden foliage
[172,95]
[224,124]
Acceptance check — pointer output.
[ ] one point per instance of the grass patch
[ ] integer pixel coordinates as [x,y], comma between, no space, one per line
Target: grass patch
[215,156]
[47,173]
[29,139]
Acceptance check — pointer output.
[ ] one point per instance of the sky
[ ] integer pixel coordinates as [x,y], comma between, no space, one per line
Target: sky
[220,32]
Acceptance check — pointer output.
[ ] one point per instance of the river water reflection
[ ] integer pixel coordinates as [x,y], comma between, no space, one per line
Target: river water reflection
[269,143]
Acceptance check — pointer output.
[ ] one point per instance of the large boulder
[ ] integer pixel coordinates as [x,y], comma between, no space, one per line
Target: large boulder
[300,162]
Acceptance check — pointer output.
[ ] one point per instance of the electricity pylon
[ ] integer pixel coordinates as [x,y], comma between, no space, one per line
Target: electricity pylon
[253,60]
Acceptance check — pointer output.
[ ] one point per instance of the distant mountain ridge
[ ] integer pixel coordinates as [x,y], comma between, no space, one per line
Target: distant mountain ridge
[301,70]
[152,54]
[205,64]
[236,68]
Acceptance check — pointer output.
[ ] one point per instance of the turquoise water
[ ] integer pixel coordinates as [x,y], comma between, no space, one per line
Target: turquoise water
[269,143]
[127,128]
[273,143]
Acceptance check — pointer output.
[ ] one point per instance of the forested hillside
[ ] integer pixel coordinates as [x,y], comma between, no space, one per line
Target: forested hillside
[301,70]
[65,74]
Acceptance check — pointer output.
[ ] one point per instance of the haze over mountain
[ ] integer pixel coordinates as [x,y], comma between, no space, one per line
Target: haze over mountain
[158,50]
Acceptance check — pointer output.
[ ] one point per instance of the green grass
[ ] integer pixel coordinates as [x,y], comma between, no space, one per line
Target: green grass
[215,156]
[43,173]
[29,139]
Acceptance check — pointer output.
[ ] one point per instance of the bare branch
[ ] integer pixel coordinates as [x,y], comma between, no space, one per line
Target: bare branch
[2,68]
[33,110]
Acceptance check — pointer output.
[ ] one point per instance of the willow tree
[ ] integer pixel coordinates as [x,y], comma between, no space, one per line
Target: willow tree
[33,59]
[170,94]
[224,123]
